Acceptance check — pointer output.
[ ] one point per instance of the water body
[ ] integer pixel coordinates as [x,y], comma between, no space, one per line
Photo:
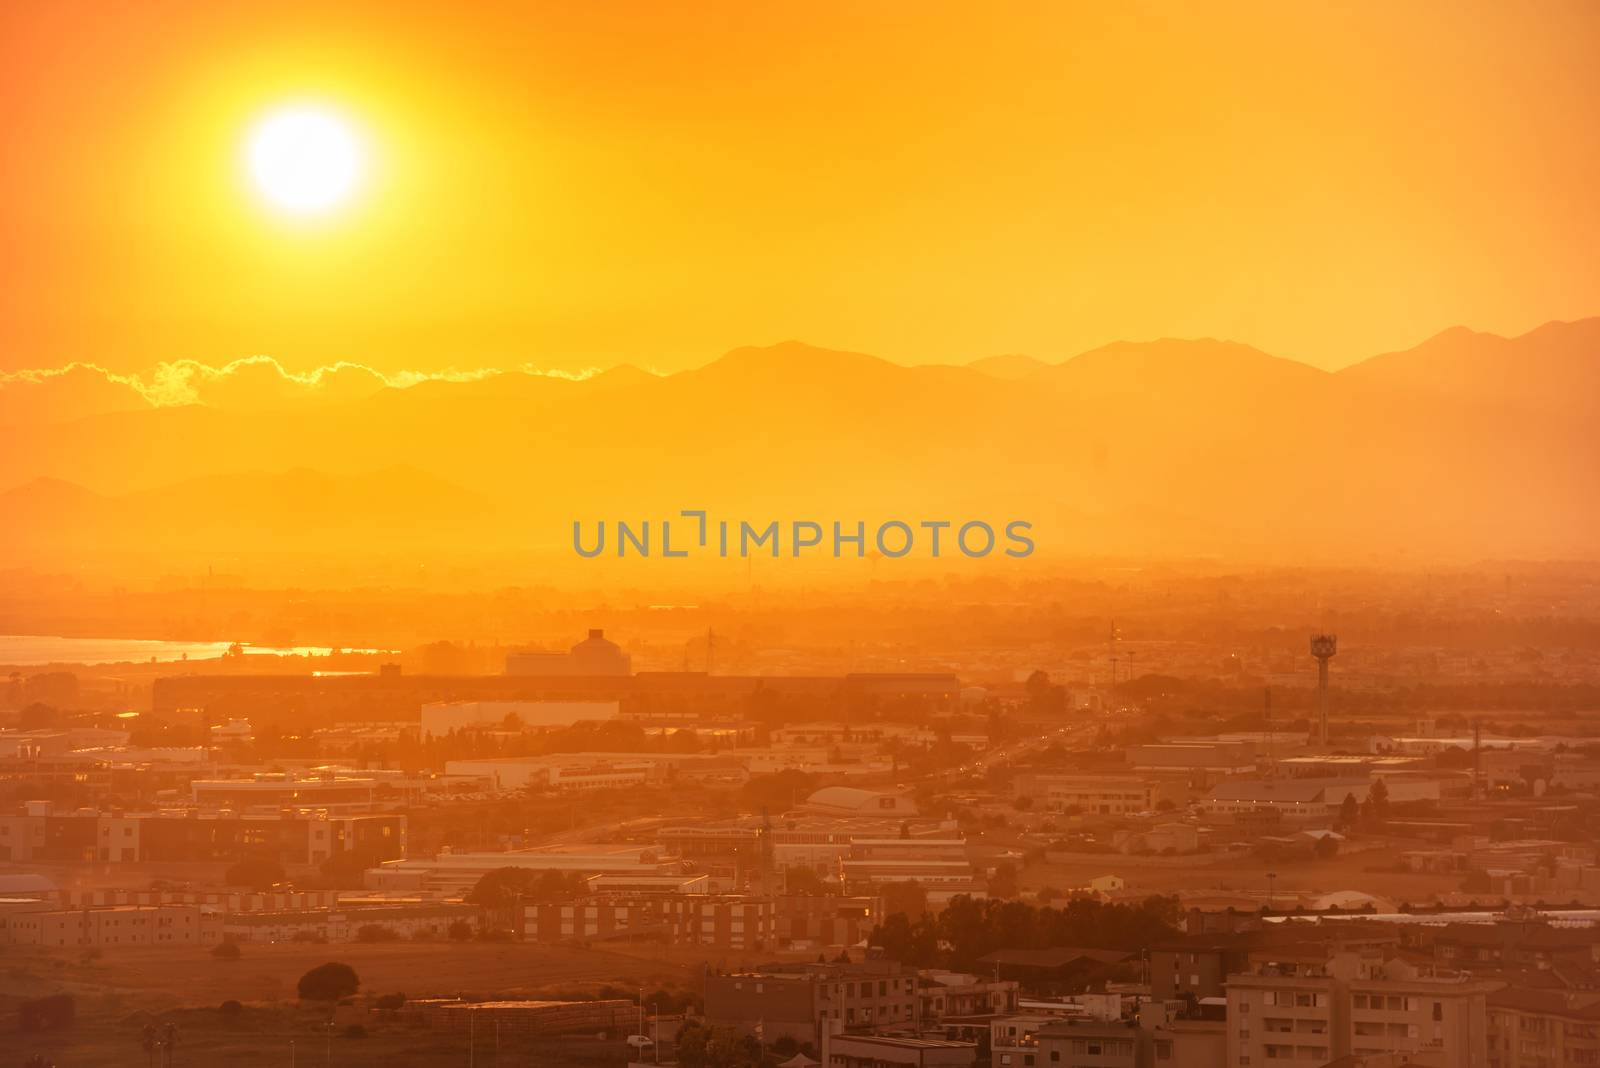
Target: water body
[23,650]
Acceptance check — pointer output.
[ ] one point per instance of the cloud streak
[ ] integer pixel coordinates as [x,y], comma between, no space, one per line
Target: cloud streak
[252,383]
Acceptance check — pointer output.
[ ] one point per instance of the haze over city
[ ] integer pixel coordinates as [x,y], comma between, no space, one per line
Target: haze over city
[813,536]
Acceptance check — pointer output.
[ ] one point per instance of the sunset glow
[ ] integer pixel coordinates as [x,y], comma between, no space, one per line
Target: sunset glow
[827,535]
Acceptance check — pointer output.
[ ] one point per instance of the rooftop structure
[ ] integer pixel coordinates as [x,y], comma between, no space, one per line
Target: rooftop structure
[595,655]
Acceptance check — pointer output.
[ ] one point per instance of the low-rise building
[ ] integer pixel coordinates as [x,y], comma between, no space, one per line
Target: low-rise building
[807,1001]
[291,836]
[1282,801]
[352,922]
[1089,1044]
[817,921]
[39,924]
[729,922]
[456,873]
[1154,1040]
[942,994]
[851,801]
[884,1051]
[1104,795]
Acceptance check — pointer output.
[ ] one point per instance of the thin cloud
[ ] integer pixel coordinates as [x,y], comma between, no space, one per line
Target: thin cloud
[250,383]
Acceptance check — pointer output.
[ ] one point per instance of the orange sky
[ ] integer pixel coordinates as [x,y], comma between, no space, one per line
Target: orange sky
[596,183]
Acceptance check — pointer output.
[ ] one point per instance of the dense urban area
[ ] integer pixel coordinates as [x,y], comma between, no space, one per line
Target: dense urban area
[1204,833]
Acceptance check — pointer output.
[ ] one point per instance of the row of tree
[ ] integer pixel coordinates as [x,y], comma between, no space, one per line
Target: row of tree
[968,929]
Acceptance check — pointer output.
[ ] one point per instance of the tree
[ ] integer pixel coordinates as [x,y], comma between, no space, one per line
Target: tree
[391,1002]
[1349,811]
[373,932]
[1045,696]
[1375,812]
[778,792]
[460,931]
[257,873]
[328,982]
[38,716]
[500,888]
[908,897]
[1003,883]
[972,928]
[226,950]
[909,942]
[1327,847]
[716,1047]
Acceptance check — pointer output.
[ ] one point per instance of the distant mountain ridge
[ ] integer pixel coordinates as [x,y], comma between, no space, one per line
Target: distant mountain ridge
[1468,444]
[1009,365]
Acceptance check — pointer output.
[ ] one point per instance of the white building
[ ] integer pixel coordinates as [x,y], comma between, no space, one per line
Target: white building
[850,801]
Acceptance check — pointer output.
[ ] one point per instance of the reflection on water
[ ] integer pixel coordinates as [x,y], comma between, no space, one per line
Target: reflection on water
[28,649]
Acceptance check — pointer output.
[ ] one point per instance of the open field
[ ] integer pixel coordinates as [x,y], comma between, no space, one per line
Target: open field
[187,976]
[123,991]
[296,1037]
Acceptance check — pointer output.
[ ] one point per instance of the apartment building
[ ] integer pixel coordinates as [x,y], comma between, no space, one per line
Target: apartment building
[1196,968]
[1543,1028]
[1310,1007]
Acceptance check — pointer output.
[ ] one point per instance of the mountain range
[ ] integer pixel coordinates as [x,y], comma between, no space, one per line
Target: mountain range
[1468,445]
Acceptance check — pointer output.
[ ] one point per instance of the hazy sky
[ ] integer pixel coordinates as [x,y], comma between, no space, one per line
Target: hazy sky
[585,184]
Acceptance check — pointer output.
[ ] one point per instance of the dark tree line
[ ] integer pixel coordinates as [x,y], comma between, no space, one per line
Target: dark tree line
[969,929]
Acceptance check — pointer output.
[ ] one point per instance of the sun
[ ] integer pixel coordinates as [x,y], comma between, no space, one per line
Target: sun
[305,160]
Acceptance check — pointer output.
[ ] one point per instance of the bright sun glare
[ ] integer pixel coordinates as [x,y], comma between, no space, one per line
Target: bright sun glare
[305,159]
